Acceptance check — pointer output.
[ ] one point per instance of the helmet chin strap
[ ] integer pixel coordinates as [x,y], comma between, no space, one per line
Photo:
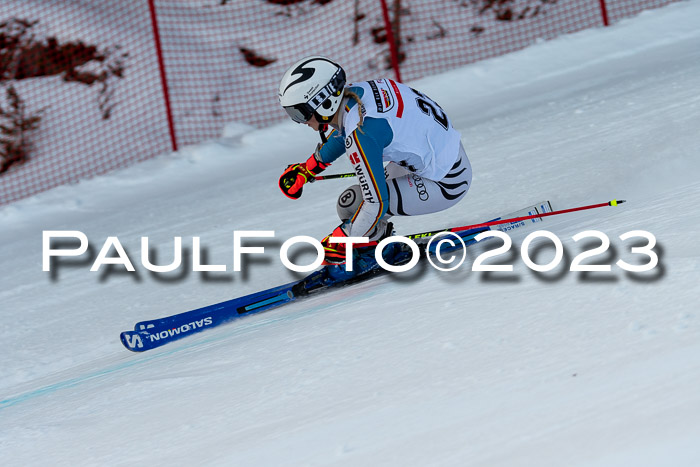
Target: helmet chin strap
[322,128]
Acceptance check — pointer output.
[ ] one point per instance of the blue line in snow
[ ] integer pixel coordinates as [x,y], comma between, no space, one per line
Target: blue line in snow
[141,358]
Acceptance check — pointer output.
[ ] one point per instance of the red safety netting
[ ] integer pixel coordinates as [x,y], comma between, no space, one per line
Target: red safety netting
[621,9]
[104,84]
[88,71]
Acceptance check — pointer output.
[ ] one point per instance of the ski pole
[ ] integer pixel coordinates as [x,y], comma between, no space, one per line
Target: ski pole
[332,176]
[514,219]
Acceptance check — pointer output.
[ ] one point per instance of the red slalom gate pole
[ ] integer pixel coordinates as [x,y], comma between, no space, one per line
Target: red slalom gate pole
[163,77]
[393,46]
[604,13]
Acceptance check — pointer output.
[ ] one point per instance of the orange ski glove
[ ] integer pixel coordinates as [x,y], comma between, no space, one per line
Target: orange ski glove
[296,175]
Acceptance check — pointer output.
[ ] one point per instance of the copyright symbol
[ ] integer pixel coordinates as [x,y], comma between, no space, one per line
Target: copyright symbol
[446,243]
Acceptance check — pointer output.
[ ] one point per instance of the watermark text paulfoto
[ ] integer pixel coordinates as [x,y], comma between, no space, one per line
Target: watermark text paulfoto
[447,251]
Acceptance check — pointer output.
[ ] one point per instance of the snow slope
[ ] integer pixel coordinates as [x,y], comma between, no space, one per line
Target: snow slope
[424,368]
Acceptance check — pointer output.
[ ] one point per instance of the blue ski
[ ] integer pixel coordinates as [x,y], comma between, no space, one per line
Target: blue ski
[257,301]
[159,332]
[155,333]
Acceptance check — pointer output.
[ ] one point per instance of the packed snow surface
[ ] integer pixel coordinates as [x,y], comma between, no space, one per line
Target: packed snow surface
[419,368]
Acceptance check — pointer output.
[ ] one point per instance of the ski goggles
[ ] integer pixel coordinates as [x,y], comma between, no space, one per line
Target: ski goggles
[302,113]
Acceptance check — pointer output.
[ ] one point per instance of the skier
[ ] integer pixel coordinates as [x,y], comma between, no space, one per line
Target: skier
[373,122]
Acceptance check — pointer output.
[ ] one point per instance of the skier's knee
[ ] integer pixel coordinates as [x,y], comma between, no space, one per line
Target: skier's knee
[348,202]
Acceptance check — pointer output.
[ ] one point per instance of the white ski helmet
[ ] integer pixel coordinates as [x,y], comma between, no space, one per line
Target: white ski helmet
[312,86]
